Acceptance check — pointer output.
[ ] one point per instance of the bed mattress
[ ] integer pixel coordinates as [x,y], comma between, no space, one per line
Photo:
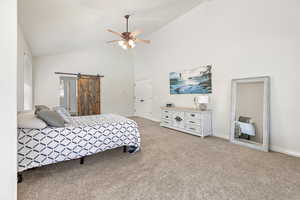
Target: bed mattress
[83,136]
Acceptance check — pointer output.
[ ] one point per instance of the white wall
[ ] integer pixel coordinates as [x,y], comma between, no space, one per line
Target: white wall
[8,99]
[114,63]
[240,38]
[23,70]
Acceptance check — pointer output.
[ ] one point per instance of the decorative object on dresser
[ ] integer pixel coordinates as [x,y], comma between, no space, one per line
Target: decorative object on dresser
[187,120]
[201,102]
[169,104]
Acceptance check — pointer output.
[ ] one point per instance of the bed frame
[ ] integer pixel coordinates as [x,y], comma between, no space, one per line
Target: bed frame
[20,175]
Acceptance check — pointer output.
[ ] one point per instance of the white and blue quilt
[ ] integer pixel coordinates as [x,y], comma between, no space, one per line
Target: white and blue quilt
[83,136]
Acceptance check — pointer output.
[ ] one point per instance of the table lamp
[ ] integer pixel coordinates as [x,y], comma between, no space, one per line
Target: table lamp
[201,102]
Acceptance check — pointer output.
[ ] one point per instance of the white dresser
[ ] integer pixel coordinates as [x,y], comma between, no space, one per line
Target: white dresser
[187,120]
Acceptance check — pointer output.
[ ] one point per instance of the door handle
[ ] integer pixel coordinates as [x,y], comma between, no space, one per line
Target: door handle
[142,100]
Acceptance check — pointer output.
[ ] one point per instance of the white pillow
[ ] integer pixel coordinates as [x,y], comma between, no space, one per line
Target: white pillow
[28,120]
[63,113]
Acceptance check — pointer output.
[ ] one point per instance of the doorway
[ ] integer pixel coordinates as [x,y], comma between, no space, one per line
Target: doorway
[143,98]
[68,94]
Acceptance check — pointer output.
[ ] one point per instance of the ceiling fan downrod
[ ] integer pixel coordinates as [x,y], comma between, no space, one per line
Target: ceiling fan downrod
[127,17]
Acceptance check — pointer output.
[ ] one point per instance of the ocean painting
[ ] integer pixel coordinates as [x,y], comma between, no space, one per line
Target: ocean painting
[194,81]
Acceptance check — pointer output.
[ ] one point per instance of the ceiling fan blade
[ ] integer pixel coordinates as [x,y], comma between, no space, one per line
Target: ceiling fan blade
[114,32]
[141,40]
[113,41]
[135,33]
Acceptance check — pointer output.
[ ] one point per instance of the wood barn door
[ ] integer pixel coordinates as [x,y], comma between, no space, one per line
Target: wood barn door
[88,95]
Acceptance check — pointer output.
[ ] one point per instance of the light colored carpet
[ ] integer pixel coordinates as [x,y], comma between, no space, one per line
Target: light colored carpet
[172,165]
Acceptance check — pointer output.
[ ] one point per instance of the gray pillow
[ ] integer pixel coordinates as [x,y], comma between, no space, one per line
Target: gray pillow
[51,118]
[40,107]
[63,113]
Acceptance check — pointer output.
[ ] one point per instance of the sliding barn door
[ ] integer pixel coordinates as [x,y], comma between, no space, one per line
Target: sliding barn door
[88,99]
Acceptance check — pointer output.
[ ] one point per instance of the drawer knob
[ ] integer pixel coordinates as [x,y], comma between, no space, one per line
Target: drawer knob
[193,115]
[178,118]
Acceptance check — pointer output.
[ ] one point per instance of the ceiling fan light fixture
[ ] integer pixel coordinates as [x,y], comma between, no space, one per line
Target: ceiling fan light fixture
[128,39]
[121,43]
[132,46]
[131,43]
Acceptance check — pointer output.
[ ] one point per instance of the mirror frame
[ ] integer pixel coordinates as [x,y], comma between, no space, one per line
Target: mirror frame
[266,112]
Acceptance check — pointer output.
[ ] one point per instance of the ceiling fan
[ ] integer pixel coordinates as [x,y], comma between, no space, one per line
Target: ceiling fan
[128,39]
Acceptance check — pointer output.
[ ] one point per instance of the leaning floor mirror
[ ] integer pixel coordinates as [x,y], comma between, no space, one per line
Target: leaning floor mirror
[250,112]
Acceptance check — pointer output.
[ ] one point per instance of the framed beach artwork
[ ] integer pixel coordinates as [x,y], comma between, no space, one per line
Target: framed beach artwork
[193,81]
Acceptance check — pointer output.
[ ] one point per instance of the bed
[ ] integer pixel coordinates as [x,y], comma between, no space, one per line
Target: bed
[83,136]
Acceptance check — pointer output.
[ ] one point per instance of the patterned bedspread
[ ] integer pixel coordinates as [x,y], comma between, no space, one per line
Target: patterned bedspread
[85,135]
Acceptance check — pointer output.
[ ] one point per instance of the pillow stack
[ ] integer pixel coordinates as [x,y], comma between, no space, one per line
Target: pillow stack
[43,117]
[51,118]
[63,113]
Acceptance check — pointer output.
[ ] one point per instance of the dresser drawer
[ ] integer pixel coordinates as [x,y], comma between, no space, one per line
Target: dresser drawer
[191,121]
[194,128]
[178,114]
[165,122]
[193,115]
[166,116]
[168,112]
[178,119]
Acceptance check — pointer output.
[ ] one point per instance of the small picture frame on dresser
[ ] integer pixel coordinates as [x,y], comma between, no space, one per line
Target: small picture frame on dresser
[187,120]
[169,105]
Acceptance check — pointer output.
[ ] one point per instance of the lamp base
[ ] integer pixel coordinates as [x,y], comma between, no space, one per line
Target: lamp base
[202,107]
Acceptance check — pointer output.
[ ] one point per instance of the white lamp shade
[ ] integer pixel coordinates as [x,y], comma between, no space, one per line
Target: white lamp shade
[203,99]
[131,42]
[121,43]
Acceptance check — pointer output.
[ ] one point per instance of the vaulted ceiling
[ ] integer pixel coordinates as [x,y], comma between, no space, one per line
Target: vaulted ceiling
[56,26]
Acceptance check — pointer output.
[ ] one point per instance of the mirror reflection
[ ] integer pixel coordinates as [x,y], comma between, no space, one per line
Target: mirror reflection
[249,112]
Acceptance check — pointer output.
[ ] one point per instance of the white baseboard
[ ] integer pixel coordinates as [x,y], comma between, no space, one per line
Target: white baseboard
[225,137]
[272,147]
[284,151]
